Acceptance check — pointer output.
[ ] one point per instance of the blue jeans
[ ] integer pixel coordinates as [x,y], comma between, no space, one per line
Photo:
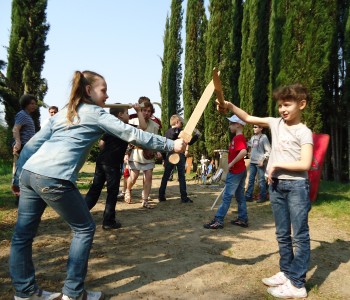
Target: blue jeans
[36,193]
[234,186]
[111,175]
[290,203]
[168,168]
[253,169]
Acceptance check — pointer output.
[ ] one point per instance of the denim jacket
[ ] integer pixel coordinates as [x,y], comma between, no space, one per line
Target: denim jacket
[59,150]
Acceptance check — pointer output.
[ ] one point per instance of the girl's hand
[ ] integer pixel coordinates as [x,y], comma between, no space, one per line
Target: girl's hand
[179,145]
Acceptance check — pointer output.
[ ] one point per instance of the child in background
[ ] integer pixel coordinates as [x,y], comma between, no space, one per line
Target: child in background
[142,159]
[259,154]
[235,179]
[176,123]
[290,159]
[126,173]
[108,169]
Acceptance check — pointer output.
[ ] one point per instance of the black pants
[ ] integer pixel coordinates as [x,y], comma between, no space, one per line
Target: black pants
[168,168]
[111,175]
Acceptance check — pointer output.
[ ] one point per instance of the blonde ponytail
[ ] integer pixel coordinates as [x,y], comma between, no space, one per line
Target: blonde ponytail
[78,93]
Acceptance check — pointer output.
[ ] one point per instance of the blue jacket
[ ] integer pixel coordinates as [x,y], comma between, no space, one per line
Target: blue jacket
[59,150]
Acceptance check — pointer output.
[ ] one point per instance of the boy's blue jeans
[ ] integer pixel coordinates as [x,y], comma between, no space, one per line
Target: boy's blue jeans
[234,186]
[253,169]
[290,203]
[168,168]
[36,193]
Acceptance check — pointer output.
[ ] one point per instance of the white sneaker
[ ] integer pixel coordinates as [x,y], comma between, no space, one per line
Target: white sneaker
[41,295]
[86,295]
[275,280]
[287,291]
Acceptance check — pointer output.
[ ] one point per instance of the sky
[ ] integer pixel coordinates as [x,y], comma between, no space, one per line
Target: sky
[121,40]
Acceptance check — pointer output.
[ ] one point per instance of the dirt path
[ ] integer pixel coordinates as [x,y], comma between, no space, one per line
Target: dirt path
[165,253]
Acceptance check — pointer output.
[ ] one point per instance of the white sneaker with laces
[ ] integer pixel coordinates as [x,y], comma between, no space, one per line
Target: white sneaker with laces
[86,295]
[287,291]
[41,295]
[275,280]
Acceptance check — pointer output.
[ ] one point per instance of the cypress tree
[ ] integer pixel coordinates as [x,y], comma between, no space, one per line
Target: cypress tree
[173,62]
[305,51]
[234,62]
[164,85]
[347,79]
[194,83]
[26,55]
[253,80]
[218,53]
[336,87]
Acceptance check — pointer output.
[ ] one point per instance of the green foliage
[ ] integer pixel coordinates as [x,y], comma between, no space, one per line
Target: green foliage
[305,51]
[194,83]
[218,53]
[164,85]
[5,149]
[172,71]
[253,80]
[95,150]
[26,56]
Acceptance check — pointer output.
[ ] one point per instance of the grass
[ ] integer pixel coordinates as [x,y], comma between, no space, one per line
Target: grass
[333,201]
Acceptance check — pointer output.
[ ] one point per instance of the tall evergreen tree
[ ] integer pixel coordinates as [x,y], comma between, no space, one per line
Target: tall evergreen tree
[336,94]
[194,82]
[164,80]
[218,53]
[173,63]
[305,51]
[26,55]
[347,77]
[305,47]
[234,62]
[253,80]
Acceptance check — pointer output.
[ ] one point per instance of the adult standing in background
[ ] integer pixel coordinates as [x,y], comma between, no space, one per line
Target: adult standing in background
[52,111]
[24,127]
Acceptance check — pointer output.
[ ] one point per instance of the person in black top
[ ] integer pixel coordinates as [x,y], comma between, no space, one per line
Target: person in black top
[109,163]
[176,123]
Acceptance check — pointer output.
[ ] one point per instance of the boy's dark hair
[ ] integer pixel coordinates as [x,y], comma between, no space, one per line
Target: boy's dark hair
[53,107]
[116,110]
[26,99]
[294,92]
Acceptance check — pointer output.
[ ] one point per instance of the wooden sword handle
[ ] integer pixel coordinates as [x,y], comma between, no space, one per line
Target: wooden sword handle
[218,88]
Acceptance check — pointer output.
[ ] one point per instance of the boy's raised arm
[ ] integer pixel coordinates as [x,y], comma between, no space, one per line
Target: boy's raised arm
[228,106]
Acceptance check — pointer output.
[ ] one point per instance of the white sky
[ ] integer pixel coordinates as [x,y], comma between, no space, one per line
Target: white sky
[121,40]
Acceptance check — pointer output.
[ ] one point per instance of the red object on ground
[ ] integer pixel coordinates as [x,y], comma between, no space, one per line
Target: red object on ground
[321,142]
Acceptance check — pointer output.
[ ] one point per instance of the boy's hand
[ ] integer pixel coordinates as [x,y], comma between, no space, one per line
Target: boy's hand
[15,190]
[137,107]
[270,174]
[179,145]
[222,108]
